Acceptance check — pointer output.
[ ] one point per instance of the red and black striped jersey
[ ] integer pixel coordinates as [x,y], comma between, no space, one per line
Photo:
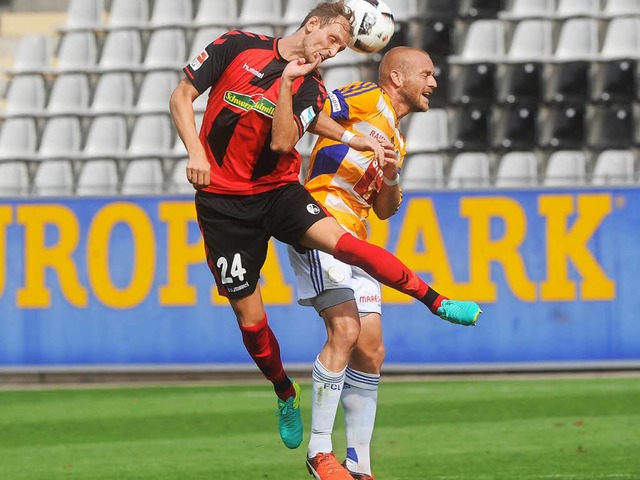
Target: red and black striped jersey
[244,72]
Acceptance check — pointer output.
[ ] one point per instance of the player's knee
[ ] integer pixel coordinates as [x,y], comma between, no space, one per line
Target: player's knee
[377,358]
[344,332]
[324,235]
[371,358]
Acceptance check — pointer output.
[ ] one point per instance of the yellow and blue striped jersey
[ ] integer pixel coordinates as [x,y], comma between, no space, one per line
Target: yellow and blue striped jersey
[344,180]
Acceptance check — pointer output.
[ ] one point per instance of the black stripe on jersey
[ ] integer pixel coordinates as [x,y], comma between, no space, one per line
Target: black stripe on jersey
[272,72]
[267,160]
[221,133]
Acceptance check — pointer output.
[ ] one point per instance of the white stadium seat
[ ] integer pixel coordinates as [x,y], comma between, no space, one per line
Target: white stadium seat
[469,170]
[128,13]
[517,169]
[566,168]
[422,171]
[614,167]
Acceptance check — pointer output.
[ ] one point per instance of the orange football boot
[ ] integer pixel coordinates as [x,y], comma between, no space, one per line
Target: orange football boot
[325,466]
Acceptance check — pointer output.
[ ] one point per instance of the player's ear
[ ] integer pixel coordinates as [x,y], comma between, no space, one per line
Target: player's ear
[311,24]
[396,78]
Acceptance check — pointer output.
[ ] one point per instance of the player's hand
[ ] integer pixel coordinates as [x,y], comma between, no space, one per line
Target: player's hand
[391,161]
[381,149]
[198,170]
[300,67]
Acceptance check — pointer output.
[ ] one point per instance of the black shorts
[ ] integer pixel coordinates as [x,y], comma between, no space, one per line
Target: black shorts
[237,228]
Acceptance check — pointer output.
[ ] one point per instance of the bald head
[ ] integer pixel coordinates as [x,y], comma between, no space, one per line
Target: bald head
[400,59]
[406,75]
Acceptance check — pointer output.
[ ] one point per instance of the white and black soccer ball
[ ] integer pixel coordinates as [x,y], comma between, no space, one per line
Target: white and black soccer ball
[374,25]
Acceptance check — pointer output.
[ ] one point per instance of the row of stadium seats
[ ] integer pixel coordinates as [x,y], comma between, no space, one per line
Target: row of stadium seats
[144,14]
[464,128]
[519,169]
[532,69]
[487,41]
[577,68]
[104,175]
[90,14]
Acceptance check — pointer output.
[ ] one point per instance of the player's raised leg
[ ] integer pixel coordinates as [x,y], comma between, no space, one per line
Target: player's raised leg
[327,235]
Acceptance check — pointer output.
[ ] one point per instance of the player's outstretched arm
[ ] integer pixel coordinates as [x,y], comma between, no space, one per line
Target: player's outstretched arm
[327,127]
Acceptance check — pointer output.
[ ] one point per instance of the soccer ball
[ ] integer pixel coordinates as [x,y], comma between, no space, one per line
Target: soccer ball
[374,25]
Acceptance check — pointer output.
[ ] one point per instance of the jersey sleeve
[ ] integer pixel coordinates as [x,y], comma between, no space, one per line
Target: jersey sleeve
[352,102]
[207,67]
[308,101]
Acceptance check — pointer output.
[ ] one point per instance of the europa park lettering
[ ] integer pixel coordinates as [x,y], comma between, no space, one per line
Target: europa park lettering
[87,248]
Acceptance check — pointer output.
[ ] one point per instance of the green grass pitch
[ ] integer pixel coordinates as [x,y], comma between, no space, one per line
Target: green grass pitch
[556,429]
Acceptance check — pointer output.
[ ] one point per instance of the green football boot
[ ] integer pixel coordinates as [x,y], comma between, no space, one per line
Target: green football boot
[289,420]
[461,313]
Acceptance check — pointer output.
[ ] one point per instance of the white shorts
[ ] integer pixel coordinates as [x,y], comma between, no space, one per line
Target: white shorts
[318,272]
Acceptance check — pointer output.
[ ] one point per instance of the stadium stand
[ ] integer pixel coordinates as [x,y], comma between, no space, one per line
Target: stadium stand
[532,92]
[423,170]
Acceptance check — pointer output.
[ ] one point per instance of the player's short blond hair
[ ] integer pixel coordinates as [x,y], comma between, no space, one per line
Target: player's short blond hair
[328,12]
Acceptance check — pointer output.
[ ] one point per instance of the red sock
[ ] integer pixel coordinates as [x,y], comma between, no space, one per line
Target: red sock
[263,347]
[386,268]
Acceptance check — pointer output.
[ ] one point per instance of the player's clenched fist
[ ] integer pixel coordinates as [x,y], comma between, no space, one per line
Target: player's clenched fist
[198,170]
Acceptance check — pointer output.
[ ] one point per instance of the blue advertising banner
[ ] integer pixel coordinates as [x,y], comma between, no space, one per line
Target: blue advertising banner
[123,281]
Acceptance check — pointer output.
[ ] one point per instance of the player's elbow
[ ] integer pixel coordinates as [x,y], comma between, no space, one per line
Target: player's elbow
[382,214]
[175,100]
[385,212]
[183,95]
[281,147]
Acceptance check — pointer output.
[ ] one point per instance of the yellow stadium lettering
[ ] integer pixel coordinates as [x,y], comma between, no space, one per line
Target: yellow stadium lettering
[38,256]
[6,217]
[216,298]
[180,254]
[564,244]
[379,235]
[420,222]
[483,251]
[99,260]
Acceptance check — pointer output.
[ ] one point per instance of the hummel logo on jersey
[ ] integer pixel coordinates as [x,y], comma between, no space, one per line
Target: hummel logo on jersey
[313,209]
[199,60]
[253,70]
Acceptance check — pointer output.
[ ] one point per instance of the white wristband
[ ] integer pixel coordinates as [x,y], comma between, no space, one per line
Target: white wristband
[393,182]
[347,136]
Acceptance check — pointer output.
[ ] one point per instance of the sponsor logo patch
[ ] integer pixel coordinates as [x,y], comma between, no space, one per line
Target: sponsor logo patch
[245,102]
[197,62]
